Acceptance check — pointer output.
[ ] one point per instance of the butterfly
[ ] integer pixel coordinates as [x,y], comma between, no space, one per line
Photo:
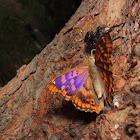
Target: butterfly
[88,87]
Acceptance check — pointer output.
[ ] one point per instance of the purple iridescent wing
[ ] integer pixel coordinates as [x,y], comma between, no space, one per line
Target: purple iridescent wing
[68,83]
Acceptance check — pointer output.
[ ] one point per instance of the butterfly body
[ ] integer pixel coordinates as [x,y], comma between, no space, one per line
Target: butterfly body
[97,80]
[87,87]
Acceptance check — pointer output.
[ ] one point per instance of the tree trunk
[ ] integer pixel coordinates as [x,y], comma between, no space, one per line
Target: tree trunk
[27,111]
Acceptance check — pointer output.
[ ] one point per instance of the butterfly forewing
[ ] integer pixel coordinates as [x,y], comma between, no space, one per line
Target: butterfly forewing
[103,53]
[68,83]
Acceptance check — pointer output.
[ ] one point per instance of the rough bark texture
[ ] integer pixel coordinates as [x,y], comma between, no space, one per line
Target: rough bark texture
[28,112]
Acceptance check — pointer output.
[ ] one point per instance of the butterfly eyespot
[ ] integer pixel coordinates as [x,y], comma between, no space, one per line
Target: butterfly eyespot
[92,102]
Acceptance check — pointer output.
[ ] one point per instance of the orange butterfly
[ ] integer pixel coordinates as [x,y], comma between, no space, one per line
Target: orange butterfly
[90,86]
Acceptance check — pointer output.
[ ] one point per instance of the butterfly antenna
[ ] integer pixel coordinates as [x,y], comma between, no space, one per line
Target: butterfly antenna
[92,52]
[111,28]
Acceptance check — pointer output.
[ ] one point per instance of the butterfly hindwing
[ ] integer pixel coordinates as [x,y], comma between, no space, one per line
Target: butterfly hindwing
[108,82]
[86,99]
[68,83]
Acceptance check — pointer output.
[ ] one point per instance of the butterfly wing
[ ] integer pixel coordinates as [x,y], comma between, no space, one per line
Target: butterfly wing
[68,83]
[86,99]
[103,61]
[103,53]
[108,82]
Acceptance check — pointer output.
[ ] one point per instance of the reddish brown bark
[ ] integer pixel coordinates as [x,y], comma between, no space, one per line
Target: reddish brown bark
[28,112]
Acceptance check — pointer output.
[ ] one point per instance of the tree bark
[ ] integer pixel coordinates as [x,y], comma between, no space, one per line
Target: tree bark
[27,111]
